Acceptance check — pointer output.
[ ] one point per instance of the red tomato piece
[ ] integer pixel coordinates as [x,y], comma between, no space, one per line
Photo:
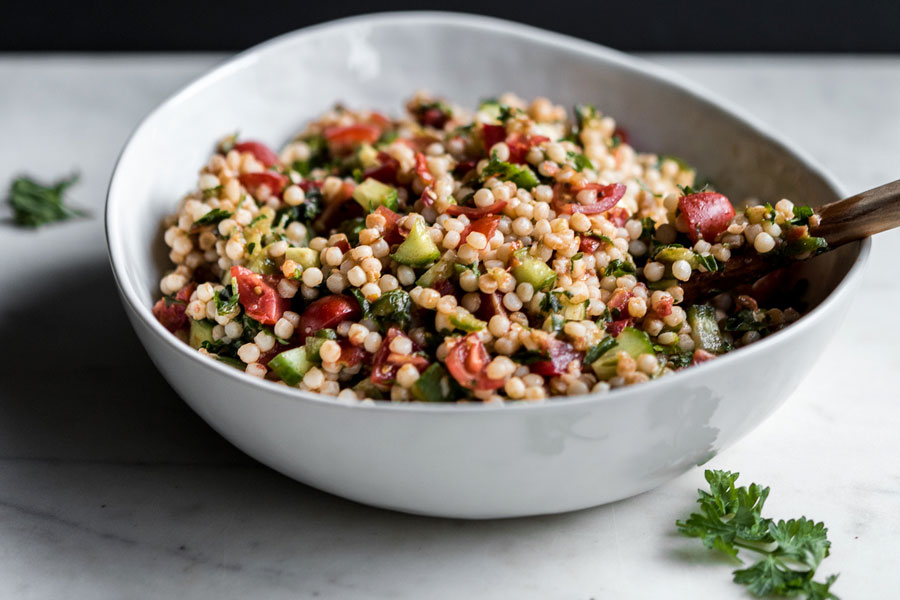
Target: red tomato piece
[184,294]
[701,355]
[171,314]
[588,245]
[485,225]
[490,305]
[619,299]
[276,182]
[259,151]
[664,306]
[351,355]
[464,167]
[422,169]
[561,355]
[467,361]
[385,363]
[618,216]
[475,213]
[347,137]
[519,146]
[258,296]
[339,209]
[386,172]
[622,134]
[492,134]
[444,287]
[607,197]
[433,117]
[391,232]
[614,328]
[707,214]
[326,313]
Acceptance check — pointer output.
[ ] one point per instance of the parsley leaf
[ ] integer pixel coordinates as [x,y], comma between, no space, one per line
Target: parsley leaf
[747,320]
[709,262]
[730,520]
[581,161]
[687,190]
[213,217]
[34,204]
[227,298]
[598,350]
[618,267]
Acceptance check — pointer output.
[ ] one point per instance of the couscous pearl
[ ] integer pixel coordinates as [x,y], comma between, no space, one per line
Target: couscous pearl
[512,301]
[256,370]
[764,243]
[330,351]
[484,197]
[681,270]
[514,387]
[476,240]
[498,325]
[372,342]
[292,317]
[312,277]
[401,345]
[407,375]
[283,328]
[249,353]
[314,378]
[654,271]
[265,341]
[356,276]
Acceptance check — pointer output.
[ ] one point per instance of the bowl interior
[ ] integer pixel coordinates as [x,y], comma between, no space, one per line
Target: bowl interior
[268,93]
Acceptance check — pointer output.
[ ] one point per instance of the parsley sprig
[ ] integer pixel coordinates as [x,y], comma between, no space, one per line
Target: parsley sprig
[730,520]
[34,204]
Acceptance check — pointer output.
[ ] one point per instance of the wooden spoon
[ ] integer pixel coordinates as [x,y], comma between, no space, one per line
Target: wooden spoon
[840,222]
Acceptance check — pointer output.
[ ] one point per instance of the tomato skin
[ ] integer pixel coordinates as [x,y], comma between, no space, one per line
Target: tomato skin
[351,355]
[422,169]
[386,172]
[664,306]
[171,316]
[339,209]
[326,313]
[476,213]
[607,197]
[614,328]
[485,226]
[385,363]
[466,361]
[701,355]
[464,167]
[184,294]
[391,232]
[707,214]
[618,216]
[492,134]
[347,137]
[260,152]
[490,305]
[561,355]
[258,296]
[588,245]
[519,146]
[276,182]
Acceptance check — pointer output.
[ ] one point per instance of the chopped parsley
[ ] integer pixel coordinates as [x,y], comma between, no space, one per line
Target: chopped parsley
[708,261]
[786,553]
[747,320]
[227,298]
[212,192]
[581,161]
[598,350]
[34,204]
[213,217]
[687,190]
[802,215]
[618,268]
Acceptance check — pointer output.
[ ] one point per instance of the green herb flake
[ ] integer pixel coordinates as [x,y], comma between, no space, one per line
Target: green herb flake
[213,217]
[35,205]
[619,267]
[598,350]
[581,161]
[227,298]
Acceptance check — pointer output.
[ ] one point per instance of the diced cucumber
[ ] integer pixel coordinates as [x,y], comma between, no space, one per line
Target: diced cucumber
[431,385]
[201,331]
[670,255]
[439,271]
[533,270]
[418,249]
[705,330]
[573,311]
[368,156]
[801,246]
[305,257]
[632,341]
[371,194]
[466,321]
[291,365]
[314,343]
[663,284]
[367,389]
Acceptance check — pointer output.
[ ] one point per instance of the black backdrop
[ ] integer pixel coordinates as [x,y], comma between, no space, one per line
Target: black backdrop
[638,25]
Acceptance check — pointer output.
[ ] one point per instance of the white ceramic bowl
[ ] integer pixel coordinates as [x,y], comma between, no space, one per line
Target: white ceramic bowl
[468,460]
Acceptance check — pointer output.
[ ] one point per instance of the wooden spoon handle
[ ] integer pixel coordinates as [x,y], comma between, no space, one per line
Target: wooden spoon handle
[859,216]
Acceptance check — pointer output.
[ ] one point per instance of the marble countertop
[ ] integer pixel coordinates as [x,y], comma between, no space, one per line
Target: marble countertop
[114,490]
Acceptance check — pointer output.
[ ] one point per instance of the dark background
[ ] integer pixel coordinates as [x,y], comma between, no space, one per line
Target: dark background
[637,25]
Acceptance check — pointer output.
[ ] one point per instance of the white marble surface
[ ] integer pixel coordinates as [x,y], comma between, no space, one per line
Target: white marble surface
[111,488]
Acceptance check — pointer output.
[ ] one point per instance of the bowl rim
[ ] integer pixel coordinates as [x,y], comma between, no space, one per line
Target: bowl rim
[545,38]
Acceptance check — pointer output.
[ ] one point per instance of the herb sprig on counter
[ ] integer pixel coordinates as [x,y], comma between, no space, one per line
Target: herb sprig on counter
[788,552]
[34,204]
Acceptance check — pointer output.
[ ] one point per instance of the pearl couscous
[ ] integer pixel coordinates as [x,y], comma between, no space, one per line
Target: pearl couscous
[512,253]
